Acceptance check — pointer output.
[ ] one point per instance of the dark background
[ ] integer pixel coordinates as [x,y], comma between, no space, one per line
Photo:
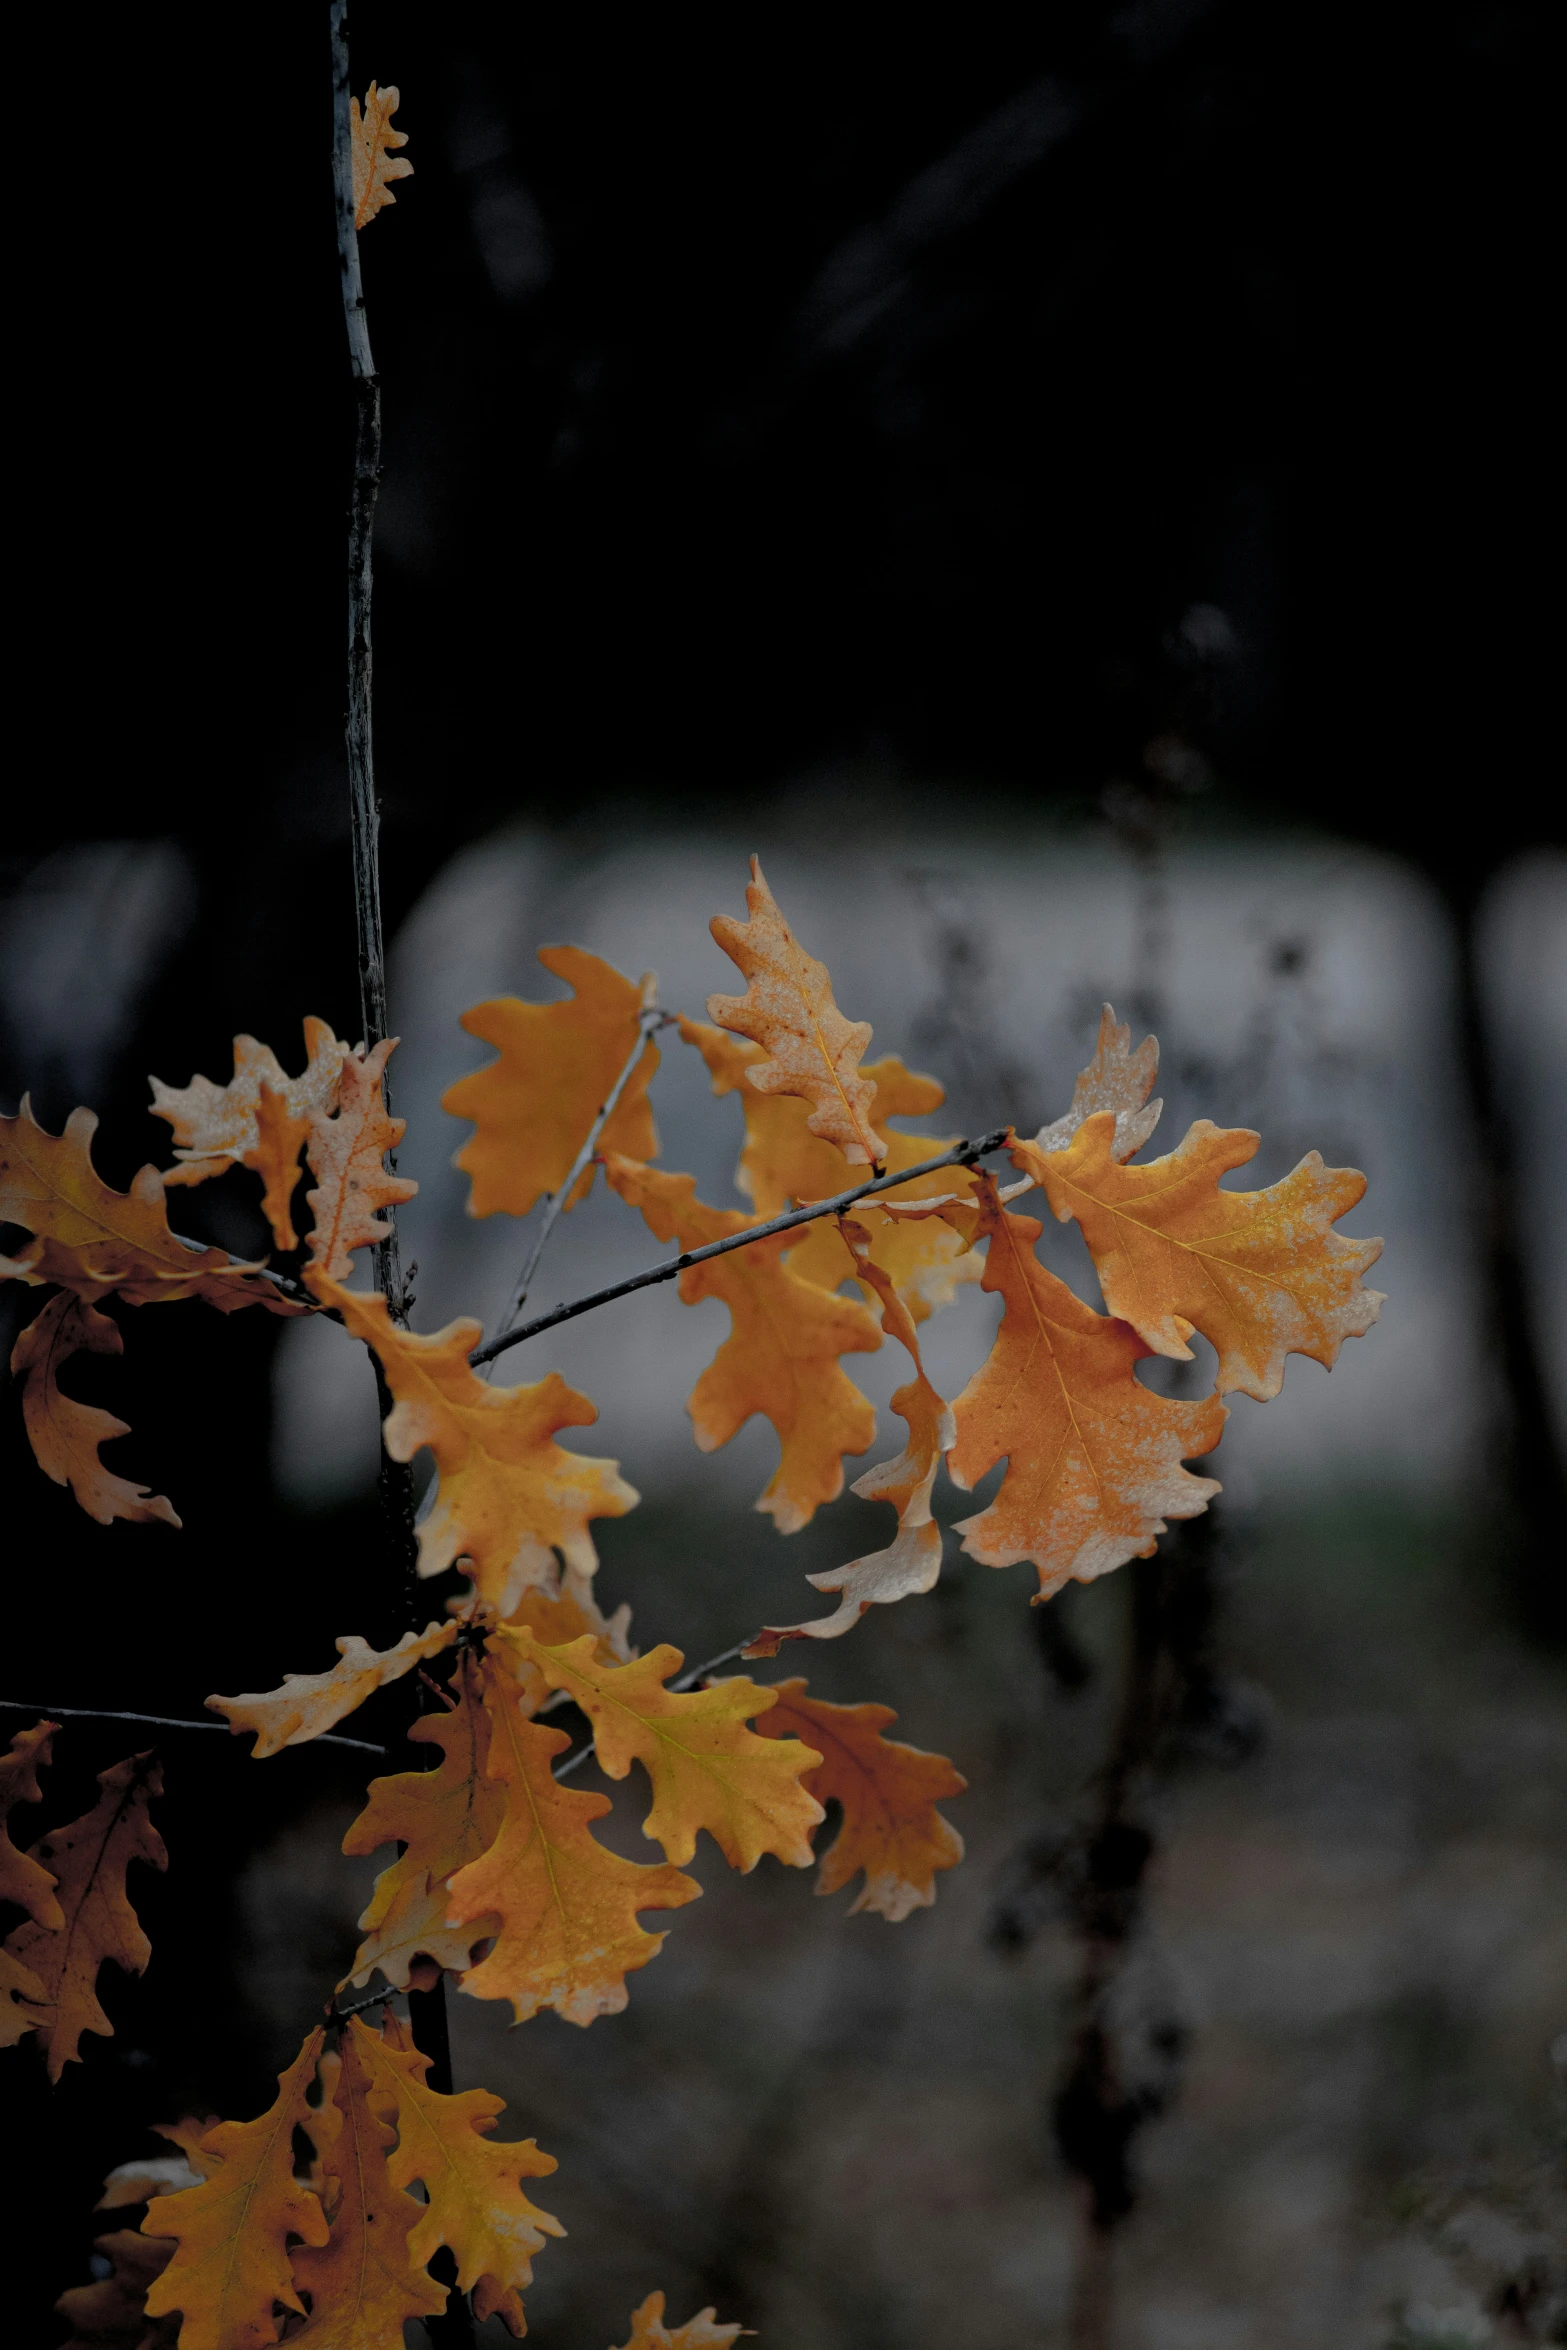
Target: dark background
[757,401]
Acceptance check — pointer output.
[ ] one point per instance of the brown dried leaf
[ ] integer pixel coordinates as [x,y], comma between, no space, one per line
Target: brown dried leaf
[1116,1079]
[111,2314]
[219,1126]
[64,1434]
[371,141]
[21,1878]
[307,1704]
[347,1149]
[649,2332]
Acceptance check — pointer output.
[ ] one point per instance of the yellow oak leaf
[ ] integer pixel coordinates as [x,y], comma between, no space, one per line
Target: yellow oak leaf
[565,1612]
[567,1907]
[649,2332]
[111,2314]
[347,1151]
[784,1163]
[371,141]
[21,1879]
[1261,1274]
[472,2183]
[1117,1080]
[24,2003]
[307,1704]
[64,1434]
[706,1768]
[88,1860]
[1093,1457]
[532,1108]
[443,1819]
[889,1792]
[219,1126]
[912,1560]
[366,2281]
[508,1493]
[788,1009]
[232,2257]
[781,1355]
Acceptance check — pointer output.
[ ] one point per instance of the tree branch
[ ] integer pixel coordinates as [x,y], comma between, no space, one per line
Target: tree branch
[100,1713]
[962,1154]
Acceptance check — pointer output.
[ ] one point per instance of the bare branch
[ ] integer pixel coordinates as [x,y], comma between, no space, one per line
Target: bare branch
[100,1713]
[962,1154]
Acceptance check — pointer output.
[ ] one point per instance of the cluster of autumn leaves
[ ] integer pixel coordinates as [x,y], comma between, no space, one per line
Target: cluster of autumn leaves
[498,1877]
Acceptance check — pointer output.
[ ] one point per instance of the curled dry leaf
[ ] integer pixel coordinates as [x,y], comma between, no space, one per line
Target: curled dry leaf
[912,1561]
[532,1108]
[1093,1457]
[888,1791]
[784,1163]
[567,1908]
[88,1860]
[788,1009]
[781,1355]
[64,1434]
[22,1880]
[1261,1274]
[1117,1080]
[706,1768]
[371,141]
[347,1152]
[92,1239]
[111,2313]
[307,1704]
[231,2233]
[649,2332]
[508,1492]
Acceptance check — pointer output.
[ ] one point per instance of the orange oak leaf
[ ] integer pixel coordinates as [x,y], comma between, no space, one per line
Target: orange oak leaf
[92,1239]
[889,1792]
[508,1493]
[912,1560]
[347,1150]
[784,1162]
[1261,1274]
[64,1434]
[88,1860]
[232,2257]
[649,2332]
[1093,1457]
[21,1879]
[111,2314]
[280,1137]
[1117,1080]
[366,2280]
[307,1704]
[567,1907]
[706,1768]
[788,1009]
[371,141]
[781,1355]
[443,1819]
[472,2183]
[218,1126]
[532,1108]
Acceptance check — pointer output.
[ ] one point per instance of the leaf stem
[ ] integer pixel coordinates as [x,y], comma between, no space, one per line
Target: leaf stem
[962,1154]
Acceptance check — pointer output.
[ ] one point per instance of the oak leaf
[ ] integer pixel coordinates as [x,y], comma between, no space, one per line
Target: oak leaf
[567,1907]
[783,1163]
[140,2180]
[1117,1080]
[532,1108]
[259,1119]
[346,1153]
[371,141]
[443,1819]
[1093,1456]
[781,1355]
[111,2314]
[91,1239]
[706,1768]
[472,2183]
[24,2002]
[366,2280]
[1261,1274]
[508,1493]
[649,2332]
[232,2257]
[307,1704]
[22,1881]
[88,1860]
[888,1791]
[788,1009]
[64,1434]
[912,1560]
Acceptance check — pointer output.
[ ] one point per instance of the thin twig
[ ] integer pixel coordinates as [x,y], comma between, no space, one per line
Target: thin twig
[700,1672]
[102,1713]
[340,2015]
[961,1154]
